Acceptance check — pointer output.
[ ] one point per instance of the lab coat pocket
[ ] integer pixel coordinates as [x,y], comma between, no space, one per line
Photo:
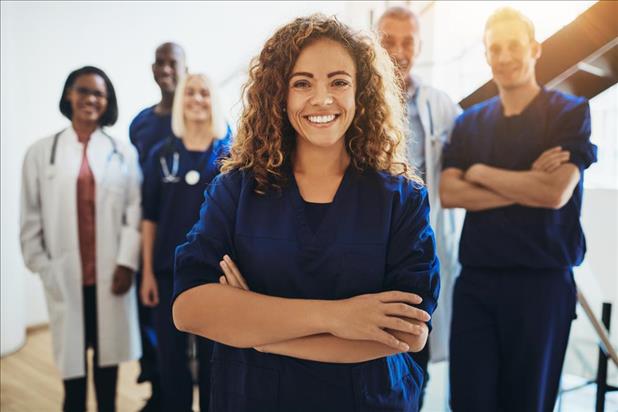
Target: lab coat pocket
[50,277]
[379,386]
[237,387]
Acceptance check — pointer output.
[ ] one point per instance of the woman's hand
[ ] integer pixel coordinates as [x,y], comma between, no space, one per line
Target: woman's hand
[366,317]
[123,278]
[149,290]
[231,274]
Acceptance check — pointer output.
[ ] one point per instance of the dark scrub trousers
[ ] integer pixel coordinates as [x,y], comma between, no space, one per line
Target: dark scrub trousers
[174,204]
[515,298]
[146,130]
[374,236]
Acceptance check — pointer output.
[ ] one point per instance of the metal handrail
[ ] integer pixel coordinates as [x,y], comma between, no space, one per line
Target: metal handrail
[602,333]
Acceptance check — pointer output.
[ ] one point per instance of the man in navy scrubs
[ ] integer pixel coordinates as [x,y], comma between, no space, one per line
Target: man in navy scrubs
[148,128]
[515,163]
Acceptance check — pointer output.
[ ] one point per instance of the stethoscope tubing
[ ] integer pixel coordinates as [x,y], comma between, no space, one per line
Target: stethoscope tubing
[115,152]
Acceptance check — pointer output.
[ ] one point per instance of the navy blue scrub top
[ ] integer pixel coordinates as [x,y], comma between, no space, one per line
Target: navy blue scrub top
[374,236]
[518,236]
[174,206]
[147,129]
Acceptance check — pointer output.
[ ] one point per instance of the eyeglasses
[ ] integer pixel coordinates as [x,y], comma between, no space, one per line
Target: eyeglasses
[85,92]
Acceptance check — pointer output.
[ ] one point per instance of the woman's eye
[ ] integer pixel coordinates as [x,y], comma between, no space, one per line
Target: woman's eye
[301,84]
[341,83]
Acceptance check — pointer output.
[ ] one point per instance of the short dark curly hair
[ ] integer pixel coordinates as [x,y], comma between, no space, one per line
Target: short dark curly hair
[111,113]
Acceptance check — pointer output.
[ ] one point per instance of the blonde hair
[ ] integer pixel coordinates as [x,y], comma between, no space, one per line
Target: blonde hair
[266,140]
[510,14]
[218,125]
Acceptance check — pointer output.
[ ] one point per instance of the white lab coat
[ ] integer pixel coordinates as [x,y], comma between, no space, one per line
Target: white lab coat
[50,244]
[437,113]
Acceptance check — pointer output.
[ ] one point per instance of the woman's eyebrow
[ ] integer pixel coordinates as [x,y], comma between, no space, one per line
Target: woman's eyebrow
[329,75]
[338,72]
[306,74]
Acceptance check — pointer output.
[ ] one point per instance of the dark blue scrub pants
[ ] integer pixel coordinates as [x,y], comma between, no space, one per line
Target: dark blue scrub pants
[509,335]
[173,359]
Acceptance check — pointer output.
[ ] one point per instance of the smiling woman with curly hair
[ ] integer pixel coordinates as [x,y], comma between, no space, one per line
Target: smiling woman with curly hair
[266,138]
[313,265]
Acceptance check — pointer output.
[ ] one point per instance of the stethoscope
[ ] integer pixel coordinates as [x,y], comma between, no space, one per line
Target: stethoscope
[192,177]
[114,153]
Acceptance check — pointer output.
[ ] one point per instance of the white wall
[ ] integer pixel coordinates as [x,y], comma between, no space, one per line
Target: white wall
[42,42]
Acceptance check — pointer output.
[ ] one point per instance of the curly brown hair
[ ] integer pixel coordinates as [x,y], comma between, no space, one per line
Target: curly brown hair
[266,140]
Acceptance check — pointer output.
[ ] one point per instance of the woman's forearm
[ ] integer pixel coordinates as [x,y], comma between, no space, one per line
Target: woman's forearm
[329,348]
[246,319]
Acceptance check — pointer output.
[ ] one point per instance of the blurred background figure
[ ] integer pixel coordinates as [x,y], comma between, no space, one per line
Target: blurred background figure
[149,127]
[516,164]
[80,215]
[431,116]
[154,123]
[176,173]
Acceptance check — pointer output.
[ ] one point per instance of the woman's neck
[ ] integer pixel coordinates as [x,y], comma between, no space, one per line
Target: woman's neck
[315,161]
[198,136]
[84,129]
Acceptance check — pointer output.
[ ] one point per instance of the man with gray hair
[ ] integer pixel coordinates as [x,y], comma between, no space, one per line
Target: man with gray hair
[431,116]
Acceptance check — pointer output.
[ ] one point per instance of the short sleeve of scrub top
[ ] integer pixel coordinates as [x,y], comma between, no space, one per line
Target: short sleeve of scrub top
[573,132]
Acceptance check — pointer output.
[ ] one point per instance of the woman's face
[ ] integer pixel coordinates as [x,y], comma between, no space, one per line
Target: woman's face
[88,98]
[196,100]
[321,93]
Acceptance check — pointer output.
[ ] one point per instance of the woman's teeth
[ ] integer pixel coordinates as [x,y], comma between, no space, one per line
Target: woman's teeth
[321,119]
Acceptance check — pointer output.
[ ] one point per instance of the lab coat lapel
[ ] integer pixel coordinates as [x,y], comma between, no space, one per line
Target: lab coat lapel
[98,150]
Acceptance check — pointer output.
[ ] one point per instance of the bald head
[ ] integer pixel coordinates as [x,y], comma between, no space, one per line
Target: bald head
[168,66]
[171,47]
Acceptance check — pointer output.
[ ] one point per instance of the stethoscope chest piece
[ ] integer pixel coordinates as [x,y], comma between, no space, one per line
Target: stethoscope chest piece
[192,177]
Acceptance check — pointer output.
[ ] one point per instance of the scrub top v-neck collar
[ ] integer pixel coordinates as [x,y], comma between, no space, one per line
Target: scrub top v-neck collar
[326,232]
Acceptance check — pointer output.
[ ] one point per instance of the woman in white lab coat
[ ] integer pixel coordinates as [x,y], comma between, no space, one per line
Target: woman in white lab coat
[80,214]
